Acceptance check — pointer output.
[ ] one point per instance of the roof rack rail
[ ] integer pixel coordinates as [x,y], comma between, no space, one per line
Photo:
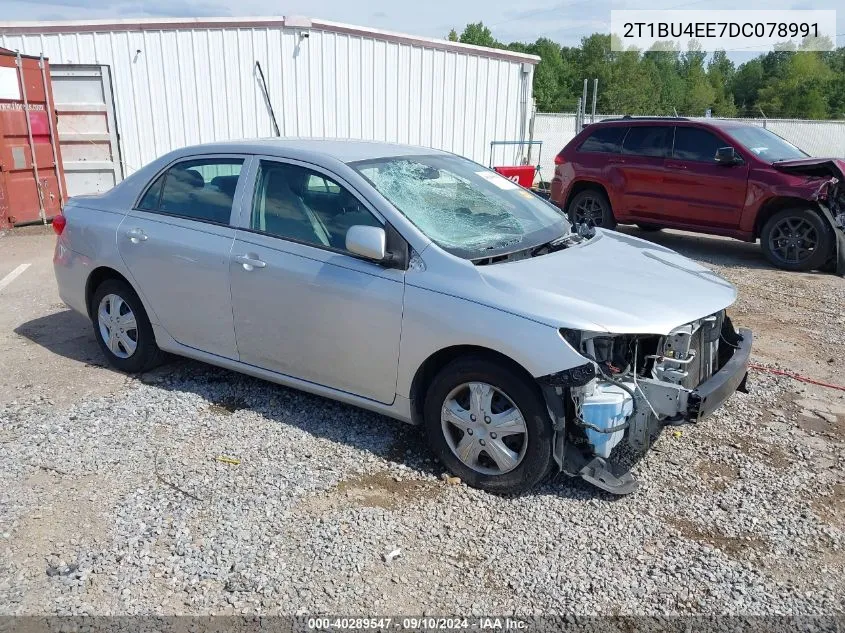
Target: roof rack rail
[628,117]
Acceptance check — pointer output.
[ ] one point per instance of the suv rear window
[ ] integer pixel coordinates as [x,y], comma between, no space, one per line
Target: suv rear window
[648,140]
[605,140]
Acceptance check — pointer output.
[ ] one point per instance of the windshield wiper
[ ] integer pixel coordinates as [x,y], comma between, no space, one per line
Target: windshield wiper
[557,244]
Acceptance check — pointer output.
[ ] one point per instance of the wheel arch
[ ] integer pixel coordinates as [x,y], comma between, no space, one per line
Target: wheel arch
[584,185]
[777,204]
[97,277]
[432,365]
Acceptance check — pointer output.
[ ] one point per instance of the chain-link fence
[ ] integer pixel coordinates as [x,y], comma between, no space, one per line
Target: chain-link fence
[818,138]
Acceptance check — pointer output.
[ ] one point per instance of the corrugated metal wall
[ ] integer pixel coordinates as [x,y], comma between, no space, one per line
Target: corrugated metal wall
[179,87]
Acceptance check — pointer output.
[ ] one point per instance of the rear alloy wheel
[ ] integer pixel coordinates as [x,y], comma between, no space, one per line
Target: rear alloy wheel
[591,208]
[489,425]
[797,239]
[122,328]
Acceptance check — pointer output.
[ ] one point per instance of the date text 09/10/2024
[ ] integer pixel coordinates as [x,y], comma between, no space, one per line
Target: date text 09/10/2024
[422,623]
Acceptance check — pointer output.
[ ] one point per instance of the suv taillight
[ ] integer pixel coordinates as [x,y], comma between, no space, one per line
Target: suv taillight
[559,160]
[59,223]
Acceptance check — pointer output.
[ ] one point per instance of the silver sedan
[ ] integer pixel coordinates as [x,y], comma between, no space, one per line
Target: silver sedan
[411,282]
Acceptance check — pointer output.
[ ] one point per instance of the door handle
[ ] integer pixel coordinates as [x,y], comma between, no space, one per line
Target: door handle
[250,261]
[136,236]
[673,165]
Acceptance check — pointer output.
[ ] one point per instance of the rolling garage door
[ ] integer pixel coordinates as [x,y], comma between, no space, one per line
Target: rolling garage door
[87,127]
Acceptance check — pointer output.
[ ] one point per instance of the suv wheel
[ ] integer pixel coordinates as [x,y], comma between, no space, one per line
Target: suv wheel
[797,239]
[651,228]
[591,207]
[489,425]
[122,328]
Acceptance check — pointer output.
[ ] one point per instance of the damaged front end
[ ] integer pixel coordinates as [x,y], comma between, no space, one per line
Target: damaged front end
[633,385]
[828,193]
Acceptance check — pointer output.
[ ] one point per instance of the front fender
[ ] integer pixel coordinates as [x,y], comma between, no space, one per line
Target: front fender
[434,321]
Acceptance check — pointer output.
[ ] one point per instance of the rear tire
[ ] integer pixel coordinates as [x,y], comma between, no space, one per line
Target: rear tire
[591,207]
[122,328]
[478,398]
[797,239]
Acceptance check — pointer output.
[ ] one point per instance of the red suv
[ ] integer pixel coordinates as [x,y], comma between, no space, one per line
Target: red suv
[720,177]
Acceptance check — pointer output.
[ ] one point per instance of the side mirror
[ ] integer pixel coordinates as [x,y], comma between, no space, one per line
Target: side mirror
[727,156]
[367,241]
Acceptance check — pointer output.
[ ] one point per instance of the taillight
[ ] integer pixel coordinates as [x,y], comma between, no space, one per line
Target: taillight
[559,160]
[59,223]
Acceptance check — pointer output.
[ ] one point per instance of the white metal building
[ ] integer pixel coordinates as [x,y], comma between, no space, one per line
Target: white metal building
[129,91]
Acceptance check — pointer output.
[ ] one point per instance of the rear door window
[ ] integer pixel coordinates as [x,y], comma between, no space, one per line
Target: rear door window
[692,143]
[648,140]
[201,190]
[605,140]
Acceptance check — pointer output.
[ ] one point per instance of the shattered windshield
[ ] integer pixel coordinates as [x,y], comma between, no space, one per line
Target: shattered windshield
[463,207]
[766,145]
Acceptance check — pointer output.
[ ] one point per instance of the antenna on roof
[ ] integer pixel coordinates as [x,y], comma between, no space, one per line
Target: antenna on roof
[675,110]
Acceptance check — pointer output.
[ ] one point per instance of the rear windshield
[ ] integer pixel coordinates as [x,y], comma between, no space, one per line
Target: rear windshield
[605,140]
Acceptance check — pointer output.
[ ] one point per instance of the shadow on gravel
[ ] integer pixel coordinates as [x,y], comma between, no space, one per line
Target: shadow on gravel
[707,248]
[400,443]
[67,334]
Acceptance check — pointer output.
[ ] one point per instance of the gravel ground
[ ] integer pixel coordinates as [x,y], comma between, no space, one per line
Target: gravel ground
[193,490]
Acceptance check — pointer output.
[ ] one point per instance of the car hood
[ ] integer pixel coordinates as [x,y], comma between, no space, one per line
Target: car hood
[613,282]
[814,167]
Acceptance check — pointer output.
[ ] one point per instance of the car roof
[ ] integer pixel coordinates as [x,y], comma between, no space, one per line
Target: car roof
[345,150]
[668,120]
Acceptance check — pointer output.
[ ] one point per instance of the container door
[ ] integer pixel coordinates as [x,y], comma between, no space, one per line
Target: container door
[86,127]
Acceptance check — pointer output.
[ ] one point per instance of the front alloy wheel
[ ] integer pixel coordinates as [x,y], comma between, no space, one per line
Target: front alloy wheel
[798,239]
[793,240]
[484,428]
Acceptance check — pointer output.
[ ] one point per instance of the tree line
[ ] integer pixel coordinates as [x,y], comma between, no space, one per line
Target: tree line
[785,83]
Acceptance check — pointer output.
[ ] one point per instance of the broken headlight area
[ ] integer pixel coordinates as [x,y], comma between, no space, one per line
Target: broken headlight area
[632,386]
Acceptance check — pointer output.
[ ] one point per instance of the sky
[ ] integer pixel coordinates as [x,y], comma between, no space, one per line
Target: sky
[564,21]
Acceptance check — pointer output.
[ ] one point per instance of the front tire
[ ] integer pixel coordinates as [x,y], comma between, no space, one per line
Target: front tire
[797,239]
[122,328]
[650,228]
[488,424]
[591,207]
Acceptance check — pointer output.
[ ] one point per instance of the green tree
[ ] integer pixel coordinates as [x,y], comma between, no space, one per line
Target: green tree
[479,35]
[453,36]
[593,61]
[720,74]
[699,94]
[629,89]
[835,60]
[663,67]
[789,81]
[746,84]
[800,90]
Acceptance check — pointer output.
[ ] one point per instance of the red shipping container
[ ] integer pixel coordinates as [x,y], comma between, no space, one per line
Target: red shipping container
[30,190]
[521,174]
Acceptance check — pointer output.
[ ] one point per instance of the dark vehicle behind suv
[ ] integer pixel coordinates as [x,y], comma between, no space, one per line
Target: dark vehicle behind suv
[719,177]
